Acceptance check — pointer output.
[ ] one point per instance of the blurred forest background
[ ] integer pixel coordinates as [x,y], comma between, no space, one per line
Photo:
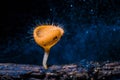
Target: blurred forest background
[92,30]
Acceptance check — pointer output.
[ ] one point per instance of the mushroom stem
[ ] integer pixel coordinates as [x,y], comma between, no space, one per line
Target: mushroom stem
[45,58]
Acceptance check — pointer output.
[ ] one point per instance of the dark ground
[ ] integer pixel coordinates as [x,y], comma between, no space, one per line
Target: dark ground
[90,71]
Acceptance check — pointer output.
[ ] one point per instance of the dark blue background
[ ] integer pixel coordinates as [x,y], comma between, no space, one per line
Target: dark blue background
[92,30]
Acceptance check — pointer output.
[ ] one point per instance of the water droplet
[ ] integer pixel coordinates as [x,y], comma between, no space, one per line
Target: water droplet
[114,29]
[50,9]
[87,32]
[71,5]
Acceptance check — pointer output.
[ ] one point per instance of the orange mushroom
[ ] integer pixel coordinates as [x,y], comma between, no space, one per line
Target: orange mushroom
[47,36]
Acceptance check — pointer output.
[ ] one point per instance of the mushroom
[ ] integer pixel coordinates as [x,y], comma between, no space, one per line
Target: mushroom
[47,36]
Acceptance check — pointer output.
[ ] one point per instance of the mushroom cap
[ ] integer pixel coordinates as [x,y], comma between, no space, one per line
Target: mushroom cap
[47,35]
